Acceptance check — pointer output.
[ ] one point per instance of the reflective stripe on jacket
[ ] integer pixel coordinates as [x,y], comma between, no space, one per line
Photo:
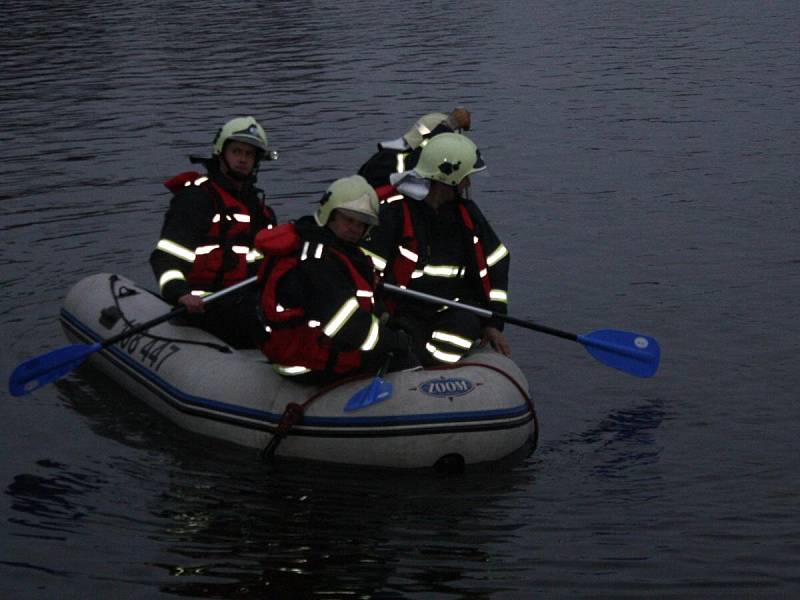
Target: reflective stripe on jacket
[296,343]
[395,250]
[206,251]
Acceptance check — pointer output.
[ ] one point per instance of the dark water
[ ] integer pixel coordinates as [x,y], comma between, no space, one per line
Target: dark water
[643,171]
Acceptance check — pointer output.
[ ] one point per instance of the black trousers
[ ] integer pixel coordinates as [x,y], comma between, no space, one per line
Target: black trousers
[232,318]
[421,322]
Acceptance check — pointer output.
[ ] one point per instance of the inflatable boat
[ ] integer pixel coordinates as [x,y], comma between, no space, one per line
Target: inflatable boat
[475,411]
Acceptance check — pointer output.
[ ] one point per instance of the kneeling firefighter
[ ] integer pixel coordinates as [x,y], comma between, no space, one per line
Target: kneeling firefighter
[317,303]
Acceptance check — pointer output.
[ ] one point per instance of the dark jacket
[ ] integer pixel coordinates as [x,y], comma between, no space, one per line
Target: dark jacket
[189,226]
[446,253]
[319,284]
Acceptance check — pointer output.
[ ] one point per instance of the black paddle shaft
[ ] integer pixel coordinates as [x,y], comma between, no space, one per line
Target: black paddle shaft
[480,311]
[176,312]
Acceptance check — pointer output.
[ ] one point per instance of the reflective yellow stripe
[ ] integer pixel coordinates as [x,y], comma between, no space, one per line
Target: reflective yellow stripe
[240,249]
[450,338]
[495,257]
[200,180]
[318,249]
[176,250]
[447,357]
[408,254]
[168,276]
[443,271]
[483,273]
[238,217]
[340,318]
[394,198]
[401,162]
[372,336]
[200,250]
[498,296]
[200,293]
[283,370]
[254,255]
[379,262]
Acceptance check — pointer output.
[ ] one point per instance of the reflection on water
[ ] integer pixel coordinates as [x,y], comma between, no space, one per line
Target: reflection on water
[628,439]
[51,505]
[227,526]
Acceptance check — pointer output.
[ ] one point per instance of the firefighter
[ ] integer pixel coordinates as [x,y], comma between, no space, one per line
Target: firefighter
[434,239]
[400,155]
[317,302]
[208,234]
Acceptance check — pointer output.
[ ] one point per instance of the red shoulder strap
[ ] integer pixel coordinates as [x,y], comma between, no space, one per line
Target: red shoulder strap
[174,184]
[385,191]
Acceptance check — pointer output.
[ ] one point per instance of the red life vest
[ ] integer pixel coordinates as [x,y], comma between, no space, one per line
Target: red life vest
[221,260]
[404,264]
[291,339]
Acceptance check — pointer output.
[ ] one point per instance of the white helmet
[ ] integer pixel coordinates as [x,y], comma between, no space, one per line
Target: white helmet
[241,129]
[422,128]
[351,195]
[449,158]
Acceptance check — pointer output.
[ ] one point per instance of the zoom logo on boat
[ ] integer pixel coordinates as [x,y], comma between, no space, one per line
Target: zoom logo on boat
[454,386]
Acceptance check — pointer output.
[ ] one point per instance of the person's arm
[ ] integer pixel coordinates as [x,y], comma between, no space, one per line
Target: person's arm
[323,289]
[383,239]
[184,228]
[498,262]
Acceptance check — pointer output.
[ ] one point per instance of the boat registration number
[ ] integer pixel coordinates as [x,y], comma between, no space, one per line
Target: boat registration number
[148,350]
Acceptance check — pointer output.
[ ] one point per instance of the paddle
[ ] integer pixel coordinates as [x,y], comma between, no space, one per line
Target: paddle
[379,389]
[625,351]
[36,372]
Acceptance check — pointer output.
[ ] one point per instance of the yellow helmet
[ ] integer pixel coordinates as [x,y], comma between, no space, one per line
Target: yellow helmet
[427,123]
[241,129]
[449,158]
[351,195]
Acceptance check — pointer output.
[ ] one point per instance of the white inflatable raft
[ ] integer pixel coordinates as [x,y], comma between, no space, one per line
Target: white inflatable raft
[477,410]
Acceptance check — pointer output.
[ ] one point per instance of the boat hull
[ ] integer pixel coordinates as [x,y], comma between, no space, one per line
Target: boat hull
[478,410]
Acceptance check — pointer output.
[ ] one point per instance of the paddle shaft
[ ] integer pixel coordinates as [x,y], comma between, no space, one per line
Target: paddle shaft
[176,312]
[38,371]
[483,312]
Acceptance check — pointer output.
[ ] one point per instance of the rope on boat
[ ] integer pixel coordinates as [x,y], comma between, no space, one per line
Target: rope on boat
[292,415]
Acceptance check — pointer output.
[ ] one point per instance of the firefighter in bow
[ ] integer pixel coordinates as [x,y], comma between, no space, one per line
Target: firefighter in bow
[317,302]
[432,238]
[400,155]
[208,234]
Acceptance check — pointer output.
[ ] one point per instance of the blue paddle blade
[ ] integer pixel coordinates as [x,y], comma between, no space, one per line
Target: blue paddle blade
[377,391]
[39,371]
[626,351]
